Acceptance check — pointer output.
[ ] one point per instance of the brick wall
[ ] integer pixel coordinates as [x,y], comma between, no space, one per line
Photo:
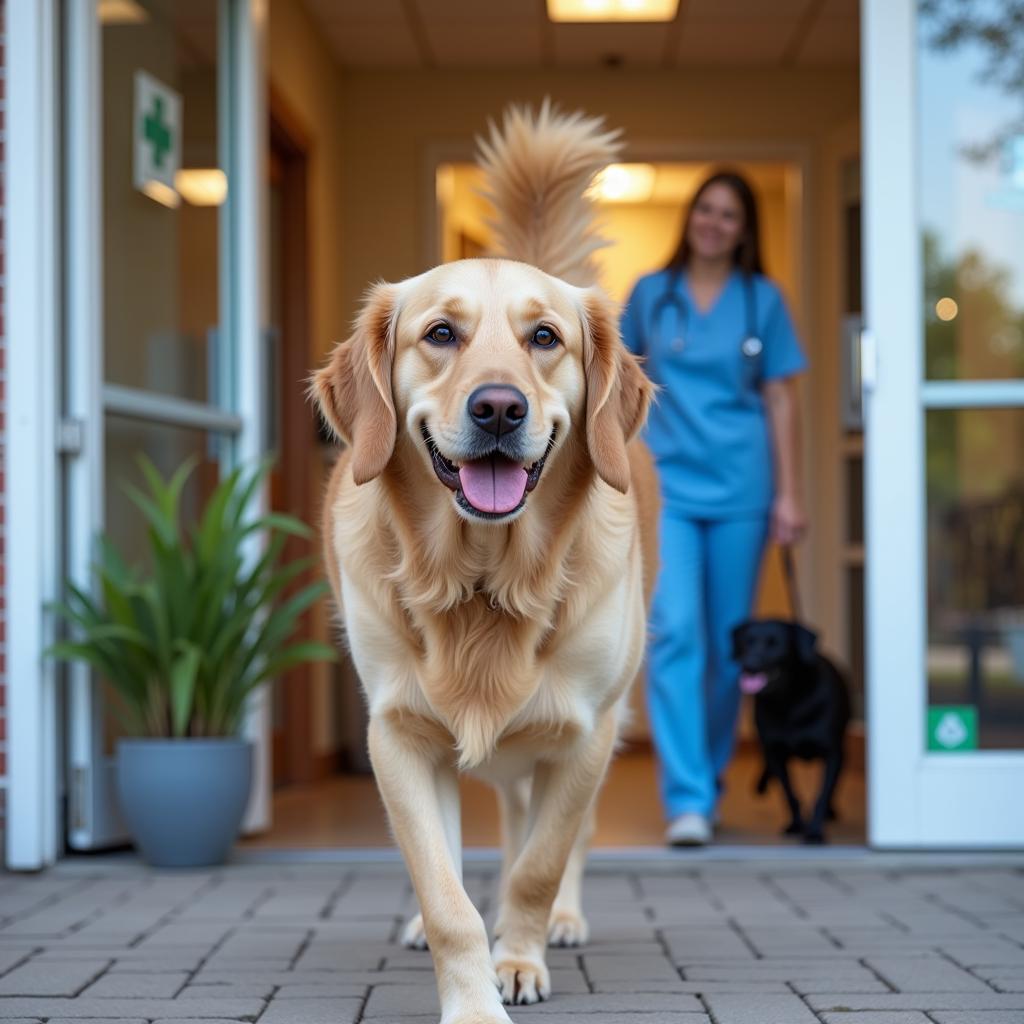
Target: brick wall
[3,427]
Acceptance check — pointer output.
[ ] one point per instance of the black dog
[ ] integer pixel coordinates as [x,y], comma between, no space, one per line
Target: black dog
[801,708]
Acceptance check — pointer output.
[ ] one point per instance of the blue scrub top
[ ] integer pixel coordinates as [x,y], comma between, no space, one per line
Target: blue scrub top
[708,429]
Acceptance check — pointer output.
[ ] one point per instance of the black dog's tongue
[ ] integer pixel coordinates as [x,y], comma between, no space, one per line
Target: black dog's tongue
[753,682]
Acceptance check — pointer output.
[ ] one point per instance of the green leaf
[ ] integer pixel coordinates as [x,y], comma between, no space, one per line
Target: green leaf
[280,623]
[183,686]
[283,523]
[164,528]
[241,503]
[155,604]
[168,494]
[213,531]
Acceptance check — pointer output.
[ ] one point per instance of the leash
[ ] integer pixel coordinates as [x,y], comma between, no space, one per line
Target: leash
[792,590]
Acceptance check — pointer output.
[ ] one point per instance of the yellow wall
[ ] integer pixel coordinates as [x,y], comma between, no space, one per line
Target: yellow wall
[303,74]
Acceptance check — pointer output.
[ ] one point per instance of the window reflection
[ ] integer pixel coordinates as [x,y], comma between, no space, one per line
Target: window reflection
[971,159]
[161,240]
[976,567]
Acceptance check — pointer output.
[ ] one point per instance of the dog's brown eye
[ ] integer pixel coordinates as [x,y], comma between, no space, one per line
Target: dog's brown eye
[442,334]
[544,337]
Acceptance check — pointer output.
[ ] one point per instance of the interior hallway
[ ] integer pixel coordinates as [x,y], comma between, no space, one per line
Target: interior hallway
[345,811]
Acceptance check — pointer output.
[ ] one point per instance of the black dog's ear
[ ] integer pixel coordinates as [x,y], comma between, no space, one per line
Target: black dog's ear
[805,642]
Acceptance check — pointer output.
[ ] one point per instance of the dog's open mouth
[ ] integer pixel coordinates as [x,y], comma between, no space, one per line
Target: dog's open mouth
[491,487]
[753,682]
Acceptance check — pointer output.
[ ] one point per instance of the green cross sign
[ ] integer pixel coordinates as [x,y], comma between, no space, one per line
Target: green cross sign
[156,143]
[157,132]
[952,728]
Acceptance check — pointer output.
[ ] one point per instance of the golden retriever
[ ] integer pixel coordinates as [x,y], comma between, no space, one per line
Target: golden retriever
[489,534]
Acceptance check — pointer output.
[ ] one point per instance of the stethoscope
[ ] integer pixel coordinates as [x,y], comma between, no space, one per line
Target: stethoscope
[751,346]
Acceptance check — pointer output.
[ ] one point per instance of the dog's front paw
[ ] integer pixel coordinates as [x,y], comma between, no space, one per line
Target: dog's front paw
[567,927]
[471,998]
[413,935]
[521,979]
[481,1017]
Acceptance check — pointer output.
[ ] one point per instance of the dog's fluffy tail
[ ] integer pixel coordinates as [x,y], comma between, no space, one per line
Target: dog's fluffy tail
[538,168]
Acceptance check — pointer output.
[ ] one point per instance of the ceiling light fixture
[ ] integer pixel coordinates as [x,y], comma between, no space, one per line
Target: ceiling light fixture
[612,10]
[121,12]
[624,183]
[202,186]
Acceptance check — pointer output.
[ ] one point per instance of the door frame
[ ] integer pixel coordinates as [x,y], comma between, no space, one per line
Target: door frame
[51,268]
[910,792]
[246,24]
[33,311]
[291,145]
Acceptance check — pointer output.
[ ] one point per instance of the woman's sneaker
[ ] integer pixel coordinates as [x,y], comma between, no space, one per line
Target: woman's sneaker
[689,829]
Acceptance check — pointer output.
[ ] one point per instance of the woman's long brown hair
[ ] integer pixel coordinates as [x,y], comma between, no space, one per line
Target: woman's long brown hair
[747,255]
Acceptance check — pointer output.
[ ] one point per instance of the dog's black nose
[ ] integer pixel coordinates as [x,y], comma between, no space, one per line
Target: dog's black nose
[498,408]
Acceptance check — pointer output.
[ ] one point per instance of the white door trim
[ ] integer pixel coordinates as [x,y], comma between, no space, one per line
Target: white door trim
[894,617]
[91,819]
[33,324]
[247,22]
[976,394]
[915,799]
[137,403]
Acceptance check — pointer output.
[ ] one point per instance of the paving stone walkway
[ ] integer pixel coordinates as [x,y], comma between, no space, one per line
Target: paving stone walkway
[676,940]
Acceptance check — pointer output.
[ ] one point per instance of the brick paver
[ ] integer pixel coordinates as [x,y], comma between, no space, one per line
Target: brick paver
[841,939]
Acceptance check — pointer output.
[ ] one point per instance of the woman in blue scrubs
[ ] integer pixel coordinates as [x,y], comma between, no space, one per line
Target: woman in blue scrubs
[724,431]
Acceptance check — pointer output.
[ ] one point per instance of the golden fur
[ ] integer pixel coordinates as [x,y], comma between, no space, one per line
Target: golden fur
[504,648]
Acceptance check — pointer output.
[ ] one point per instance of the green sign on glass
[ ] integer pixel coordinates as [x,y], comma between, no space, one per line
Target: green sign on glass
[952,728]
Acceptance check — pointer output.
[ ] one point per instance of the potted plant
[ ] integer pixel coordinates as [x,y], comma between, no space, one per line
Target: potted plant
[183,642]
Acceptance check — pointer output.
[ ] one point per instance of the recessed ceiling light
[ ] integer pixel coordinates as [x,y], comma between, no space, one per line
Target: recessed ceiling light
[121,12]
[612,10]
[624,183]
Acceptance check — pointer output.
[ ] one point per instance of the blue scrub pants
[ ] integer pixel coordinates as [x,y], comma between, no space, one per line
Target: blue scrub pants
[709,571]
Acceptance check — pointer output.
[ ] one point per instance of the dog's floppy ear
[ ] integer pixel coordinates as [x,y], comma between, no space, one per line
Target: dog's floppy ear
[805,640]
[618,391]
[353,391]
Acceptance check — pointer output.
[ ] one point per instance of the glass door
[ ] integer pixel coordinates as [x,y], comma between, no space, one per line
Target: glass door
[944,375]
[162,333]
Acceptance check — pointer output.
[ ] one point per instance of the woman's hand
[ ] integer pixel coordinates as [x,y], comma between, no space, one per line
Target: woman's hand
[789,521]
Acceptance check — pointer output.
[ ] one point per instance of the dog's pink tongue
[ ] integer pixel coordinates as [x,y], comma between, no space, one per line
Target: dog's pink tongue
[493,485]
[753,682]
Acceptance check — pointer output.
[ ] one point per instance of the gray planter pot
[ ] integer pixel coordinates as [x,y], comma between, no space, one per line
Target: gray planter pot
[183,800]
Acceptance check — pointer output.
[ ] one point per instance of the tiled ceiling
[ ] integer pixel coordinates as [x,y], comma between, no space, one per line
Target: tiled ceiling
[517,33]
